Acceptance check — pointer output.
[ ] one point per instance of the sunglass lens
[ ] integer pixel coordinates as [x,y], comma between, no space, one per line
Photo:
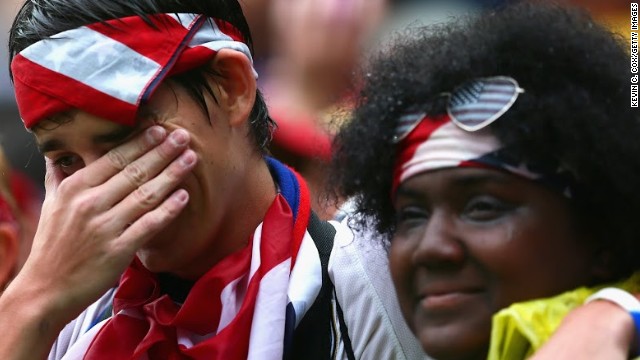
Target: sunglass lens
[478,103]
[406,124]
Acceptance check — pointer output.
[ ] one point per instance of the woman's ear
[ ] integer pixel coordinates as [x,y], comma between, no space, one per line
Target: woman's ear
[236,86]
[9,239]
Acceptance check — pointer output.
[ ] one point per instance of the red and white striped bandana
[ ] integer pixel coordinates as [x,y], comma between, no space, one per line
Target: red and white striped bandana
[108,69]
[461,137]
[437,142]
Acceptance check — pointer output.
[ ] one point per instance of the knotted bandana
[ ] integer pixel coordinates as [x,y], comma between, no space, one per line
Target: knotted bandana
[436,142]
[108,69]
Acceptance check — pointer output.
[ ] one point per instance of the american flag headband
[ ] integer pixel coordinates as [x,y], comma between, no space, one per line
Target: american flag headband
[460,137]
[110,68]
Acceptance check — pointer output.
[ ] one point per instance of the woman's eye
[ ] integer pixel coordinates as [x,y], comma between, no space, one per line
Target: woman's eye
[69,164]
[486,208]
[411,216]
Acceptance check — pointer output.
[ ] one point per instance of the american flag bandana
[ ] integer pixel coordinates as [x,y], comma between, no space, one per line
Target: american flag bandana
[461,138]
[108,69]
[437,142]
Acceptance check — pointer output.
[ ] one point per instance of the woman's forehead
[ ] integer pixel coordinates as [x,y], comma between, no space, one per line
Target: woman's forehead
[459,177]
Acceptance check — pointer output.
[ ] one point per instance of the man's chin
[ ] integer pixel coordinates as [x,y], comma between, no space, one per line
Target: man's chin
[154,259]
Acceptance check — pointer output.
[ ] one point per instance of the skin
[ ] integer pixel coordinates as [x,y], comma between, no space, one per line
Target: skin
[109,198]
[598,330]
[472,241]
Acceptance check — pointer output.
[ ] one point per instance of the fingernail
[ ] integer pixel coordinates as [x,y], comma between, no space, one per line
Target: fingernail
[188,158]
[182,195]
[155,134]
[179,137]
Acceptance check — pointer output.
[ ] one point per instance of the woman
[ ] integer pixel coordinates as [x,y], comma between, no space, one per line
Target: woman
[500,156]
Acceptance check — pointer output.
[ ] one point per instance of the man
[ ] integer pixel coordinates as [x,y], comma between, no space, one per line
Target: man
[154,133]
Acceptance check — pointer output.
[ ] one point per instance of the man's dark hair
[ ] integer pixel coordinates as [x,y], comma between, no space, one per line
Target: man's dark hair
[40,19]
[575,111]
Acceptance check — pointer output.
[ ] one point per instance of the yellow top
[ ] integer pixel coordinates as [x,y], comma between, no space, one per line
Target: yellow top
[521,329]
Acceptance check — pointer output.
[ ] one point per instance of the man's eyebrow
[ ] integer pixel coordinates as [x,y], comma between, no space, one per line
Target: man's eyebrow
[115,136]
[49,145]
[112,137]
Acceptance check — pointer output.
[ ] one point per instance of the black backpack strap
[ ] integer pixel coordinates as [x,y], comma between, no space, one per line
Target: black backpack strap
[313,338]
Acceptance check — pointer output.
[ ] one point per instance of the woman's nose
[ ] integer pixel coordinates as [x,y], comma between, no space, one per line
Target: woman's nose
[440,246]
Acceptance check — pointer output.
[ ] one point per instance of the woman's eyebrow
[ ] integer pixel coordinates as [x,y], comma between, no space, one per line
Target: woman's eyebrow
[404,191]
[462,181]
[480,179]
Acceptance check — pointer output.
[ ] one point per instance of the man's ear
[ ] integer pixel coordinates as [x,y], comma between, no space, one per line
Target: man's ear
[236,85]
[8,252]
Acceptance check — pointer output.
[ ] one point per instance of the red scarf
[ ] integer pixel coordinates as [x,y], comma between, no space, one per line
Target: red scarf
[147,321]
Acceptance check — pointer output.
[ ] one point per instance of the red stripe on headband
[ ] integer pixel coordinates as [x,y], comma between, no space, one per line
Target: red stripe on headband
[145,39]
[41,93]
[192,58]
[34,102]
[230,30]
[408,146]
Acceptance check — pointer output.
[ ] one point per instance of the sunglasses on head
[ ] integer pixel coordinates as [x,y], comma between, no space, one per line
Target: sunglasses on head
[471,106]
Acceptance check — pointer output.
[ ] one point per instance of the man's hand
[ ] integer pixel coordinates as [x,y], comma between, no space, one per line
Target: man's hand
[597,330]
[91,226]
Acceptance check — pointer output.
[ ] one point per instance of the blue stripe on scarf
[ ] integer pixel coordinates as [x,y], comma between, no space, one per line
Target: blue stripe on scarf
[290,190]
[287,183]
[289,328]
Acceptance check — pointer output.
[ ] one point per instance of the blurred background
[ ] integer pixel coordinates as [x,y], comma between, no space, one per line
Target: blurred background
[17,142]
[302,82]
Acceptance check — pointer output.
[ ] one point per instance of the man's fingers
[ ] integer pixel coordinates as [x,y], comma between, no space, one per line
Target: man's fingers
[148,196]
[52,177]
[152,222]
[134,175]
[119,157]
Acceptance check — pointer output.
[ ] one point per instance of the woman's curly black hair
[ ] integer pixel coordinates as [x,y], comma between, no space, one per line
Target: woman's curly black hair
[575,110]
